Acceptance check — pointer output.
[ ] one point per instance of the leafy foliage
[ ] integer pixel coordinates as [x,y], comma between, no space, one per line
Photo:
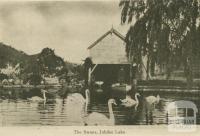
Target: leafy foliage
[167,31]
[3,76]
[33,67]
[49,63]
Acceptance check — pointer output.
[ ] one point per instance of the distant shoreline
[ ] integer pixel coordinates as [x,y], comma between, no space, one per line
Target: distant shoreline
[30,86]
[176,89]
[140,88]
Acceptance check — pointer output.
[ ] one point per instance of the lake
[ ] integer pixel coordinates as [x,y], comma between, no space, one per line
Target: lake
[17,110]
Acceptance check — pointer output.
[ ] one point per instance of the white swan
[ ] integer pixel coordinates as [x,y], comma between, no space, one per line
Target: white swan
[100,119]
[92,118]
[152,100]
[75,107]
[37,98]
[129,102]
[78,98]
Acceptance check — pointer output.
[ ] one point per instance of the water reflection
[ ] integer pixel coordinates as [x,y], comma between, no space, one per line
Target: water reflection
[17,110]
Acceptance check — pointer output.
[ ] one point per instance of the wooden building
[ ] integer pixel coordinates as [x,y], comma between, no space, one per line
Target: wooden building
[109,58]
[108,54]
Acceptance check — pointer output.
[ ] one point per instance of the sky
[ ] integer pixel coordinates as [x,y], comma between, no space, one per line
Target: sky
[68,27]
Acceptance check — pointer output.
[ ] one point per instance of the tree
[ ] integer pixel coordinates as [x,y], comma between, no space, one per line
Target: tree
[3,76]
[164,31]
[50,63]
[44,64]
[32,73]
[87,64]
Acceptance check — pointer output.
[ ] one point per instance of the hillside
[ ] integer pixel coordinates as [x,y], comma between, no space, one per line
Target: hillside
[45,63]
[11,56]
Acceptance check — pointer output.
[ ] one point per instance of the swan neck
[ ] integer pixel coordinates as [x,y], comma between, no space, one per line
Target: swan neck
[111,111]
[158,98]
[136,98]
[86,97]
[44,95]
[136,106]
[86,107]
[86,102]
[84,113]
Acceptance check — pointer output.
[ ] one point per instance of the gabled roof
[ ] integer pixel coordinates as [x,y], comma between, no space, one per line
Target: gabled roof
[111,31]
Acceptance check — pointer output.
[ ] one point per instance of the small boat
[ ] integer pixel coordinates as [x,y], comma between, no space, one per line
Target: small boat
[121,87]
[98,86]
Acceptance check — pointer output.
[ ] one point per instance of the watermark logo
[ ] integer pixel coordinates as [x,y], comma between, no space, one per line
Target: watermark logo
[181,116]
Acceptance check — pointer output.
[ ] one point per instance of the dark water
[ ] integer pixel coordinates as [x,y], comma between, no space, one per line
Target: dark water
[16,110]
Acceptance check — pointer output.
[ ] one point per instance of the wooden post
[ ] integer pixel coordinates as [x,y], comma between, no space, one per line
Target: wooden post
[90,71]
[130,75]
[89,76]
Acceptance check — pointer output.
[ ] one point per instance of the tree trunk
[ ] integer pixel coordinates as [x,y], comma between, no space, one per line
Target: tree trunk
[189,73]
[148,68]
[135,78]
[189,59]
[169,67]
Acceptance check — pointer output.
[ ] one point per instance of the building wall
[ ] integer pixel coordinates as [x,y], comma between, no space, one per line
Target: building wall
[110,50]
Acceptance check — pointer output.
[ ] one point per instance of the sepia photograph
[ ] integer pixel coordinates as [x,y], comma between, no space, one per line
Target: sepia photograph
[100,63]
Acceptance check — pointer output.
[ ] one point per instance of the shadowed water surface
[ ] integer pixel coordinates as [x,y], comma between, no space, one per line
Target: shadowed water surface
[16,110]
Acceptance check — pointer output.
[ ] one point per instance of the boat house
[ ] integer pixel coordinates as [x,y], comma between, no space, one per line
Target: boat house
[108,55]
[110,63]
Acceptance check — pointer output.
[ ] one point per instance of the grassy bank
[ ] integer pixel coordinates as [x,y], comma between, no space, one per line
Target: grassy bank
[167,86]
